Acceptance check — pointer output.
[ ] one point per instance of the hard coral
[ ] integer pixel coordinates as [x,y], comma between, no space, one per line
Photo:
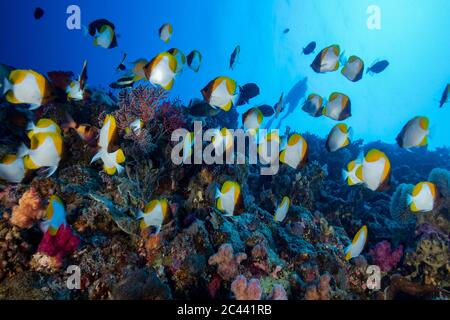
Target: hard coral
[246,290]
[62,243]
[278,293]
[227,263]
[384,257]
[28,211]
[321,291]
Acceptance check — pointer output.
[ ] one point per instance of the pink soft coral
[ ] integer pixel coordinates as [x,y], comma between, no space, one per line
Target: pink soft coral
[62,243]
[383,256]
[246,290]
[29,210]
[227,263]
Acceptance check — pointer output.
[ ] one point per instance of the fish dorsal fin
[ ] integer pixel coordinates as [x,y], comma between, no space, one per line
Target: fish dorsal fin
[8,159]
[342,127]
[373,155]
[231,85]
[294,139]
[17,76]
[424,123]
[149,207]
[417,188]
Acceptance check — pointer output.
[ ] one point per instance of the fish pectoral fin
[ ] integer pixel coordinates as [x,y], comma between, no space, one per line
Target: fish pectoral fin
[97,156]
[33,106]
[47,172]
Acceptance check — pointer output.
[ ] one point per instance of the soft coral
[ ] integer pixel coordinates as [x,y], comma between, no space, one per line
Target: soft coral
[62,243]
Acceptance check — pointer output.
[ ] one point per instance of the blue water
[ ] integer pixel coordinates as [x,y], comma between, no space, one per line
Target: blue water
[414,37]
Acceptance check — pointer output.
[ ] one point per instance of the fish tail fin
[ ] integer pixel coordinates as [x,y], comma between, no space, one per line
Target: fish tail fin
[347,252]
[140,215]
[98,155]
[432,132]
[44,225]
[30,126]
[85,30]
[119,168]
[7,85]
[350,133]
[23,151]
[409,199]
[218,193]
[345,174]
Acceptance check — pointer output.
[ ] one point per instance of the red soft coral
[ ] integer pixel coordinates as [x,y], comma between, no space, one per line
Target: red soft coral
[62,243]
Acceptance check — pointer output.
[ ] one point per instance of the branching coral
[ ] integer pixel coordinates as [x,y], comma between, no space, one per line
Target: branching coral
[227,262]
[171,116]
[246,290]
[29,210]
[138,103]
[384,257]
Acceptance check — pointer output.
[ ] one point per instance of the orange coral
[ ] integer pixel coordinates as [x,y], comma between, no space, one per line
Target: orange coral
[29,210]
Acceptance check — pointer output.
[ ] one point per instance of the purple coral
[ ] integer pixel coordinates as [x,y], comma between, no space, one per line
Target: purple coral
[246,290]
[383,256]
[227,262]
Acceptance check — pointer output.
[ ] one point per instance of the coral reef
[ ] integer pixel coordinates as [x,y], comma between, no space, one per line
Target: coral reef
[200,253]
